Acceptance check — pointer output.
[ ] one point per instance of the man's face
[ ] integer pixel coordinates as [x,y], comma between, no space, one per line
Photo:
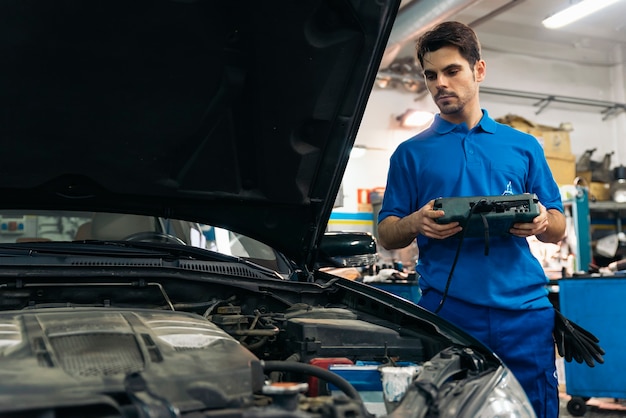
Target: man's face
[451,81]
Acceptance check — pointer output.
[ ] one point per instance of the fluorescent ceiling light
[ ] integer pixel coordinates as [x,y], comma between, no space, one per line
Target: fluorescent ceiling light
[574,12]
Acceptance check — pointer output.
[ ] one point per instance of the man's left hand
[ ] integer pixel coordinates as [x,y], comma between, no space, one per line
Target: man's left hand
[538,226]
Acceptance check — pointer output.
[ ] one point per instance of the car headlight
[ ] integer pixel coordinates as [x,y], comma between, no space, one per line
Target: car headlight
[502,397]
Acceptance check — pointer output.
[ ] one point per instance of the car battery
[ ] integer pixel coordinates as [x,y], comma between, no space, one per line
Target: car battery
[316,387]
[366,379]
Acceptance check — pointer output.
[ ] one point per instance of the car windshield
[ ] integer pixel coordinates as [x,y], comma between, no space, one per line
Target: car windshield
[21,226]
[62,226]
[42,226]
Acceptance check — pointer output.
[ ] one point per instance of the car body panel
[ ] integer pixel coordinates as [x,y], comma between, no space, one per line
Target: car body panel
[195,109]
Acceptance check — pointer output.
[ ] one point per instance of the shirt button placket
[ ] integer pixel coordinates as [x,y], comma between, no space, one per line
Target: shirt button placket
[469,148]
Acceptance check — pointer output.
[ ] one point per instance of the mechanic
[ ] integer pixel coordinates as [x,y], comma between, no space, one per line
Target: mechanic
[500,297]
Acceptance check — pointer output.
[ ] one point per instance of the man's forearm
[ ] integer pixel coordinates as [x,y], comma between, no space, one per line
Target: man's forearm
[394,233]
[556,227]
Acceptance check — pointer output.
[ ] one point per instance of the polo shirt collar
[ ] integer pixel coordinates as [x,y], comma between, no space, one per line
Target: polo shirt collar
[486,123]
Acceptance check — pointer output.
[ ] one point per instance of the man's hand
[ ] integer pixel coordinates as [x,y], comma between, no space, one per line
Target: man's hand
[539,225]
[548,226]
[425,219]
[394,232]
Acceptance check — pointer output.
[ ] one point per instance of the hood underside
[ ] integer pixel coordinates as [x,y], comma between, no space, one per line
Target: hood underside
[239,114]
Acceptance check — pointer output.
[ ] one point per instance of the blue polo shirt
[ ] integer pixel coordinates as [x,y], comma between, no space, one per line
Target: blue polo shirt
[448,160]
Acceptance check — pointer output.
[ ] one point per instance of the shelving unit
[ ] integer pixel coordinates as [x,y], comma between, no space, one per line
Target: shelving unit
[585,215]
[608,205]
[607,227]
[608,213]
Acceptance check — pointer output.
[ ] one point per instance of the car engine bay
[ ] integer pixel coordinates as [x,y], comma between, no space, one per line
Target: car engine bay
[107,347]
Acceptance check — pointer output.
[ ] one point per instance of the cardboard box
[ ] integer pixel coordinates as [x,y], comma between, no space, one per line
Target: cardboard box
[555,141]
[599,191]
[517,122]
[563,168]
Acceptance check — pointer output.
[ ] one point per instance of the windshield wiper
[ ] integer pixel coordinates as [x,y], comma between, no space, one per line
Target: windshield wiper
[195,253]
[111,248]
[125,249]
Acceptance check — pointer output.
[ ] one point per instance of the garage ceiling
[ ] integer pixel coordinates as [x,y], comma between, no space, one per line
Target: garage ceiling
[515,26]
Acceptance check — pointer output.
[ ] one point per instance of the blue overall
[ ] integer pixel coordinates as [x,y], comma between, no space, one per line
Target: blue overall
[501,298]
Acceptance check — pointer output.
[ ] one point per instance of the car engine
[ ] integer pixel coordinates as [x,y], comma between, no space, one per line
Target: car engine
[239,353]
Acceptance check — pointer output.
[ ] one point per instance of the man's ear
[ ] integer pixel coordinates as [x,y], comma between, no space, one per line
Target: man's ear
[480,70]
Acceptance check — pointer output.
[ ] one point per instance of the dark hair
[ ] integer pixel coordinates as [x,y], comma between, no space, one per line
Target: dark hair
[450,34]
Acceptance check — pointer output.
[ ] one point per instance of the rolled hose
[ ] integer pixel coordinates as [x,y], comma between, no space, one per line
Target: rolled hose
[326,375]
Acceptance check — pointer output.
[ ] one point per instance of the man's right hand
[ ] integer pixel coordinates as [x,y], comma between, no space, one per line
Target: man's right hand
[395,232]
[429,226]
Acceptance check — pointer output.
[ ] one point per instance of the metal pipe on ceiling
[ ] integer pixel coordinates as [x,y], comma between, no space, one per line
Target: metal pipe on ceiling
[417,17]
[496,12]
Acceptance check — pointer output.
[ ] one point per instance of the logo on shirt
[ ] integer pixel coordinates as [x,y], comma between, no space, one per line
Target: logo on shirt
[508,191]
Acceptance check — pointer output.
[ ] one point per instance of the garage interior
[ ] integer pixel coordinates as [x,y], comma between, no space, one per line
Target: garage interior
[565,86]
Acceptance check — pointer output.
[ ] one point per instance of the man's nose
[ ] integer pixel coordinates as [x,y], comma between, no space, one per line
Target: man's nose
[441,81]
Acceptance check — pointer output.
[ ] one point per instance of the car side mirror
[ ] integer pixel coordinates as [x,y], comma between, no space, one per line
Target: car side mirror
[347,249]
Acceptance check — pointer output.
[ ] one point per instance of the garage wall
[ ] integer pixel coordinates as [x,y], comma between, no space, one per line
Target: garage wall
[564,79]
[380,132]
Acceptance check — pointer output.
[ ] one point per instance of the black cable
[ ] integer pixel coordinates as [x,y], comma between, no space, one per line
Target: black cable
[486,229]
[458,249]
[295,367]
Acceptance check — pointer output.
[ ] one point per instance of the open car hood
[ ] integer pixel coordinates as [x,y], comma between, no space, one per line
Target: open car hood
[238,114]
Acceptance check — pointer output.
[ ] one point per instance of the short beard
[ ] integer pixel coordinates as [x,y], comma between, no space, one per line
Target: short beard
[451,109]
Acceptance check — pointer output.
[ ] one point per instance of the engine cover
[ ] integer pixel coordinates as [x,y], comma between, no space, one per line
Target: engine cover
[54,352]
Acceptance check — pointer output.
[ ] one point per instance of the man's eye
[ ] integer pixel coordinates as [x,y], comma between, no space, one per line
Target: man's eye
[430,77]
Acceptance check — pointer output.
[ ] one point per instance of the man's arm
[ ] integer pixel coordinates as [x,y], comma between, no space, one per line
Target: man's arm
[555,231]
[395,232]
